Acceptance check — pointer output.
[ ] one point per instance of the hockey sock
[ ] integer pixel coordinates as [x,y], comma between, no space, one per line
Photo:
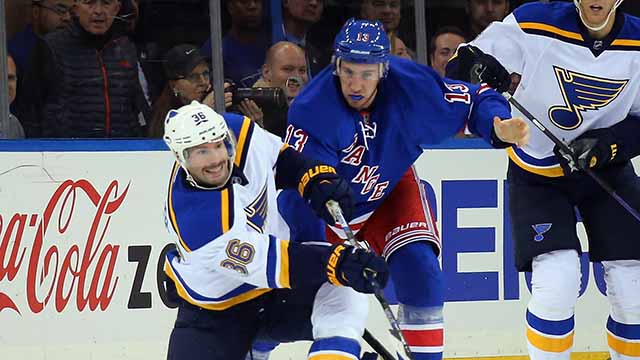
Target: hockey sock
[549,339]
[335,348]
[419,288]
[623,292]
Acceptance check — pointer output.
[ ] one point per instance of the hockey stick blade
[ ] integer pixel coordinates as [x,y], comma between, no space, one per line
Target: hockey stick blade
[336,212]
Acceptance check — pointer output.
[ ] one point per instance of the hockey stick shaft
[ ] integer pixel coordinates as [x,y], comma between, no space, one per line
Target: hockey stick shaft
[377,346]
[336,211]
[603,184]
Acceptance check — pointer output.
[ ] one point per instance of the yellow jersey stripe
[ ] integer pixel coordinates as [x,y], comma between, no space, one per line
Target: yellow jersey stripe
[172,214]
[284,264]
[333,356]
[226,225]
[555,171]
[543,343]
[223,305]
[625,42]
[551,29]
[242,140]
[623,347]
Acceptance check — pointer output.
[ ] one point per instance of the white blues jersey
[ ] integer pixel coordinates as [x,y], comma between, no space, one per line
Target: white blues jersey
[570,82]
[230,246]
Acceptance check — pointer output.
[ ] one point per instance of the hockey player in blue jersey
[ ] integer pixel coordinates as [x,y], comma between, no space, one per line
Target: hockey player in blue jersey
[237,277]
[580,79]
[368,116]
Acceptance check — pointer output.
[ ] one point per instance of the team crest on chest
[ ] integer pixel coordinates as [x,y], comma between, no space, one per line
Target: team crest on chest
[257,211]
[581,93]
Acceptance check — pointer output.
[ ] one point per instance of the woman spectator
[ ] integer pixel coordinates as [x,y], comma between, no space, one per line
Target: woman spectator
[189,79]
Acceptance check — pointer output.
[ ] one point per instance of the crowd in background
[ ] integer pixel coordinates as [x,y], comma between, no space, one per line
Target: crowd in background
[113,68]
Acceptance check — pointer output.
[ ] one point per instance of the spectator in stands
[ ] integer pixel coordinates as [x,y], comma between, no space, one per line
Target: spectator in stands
[83,80]
[129,14]
[189,79]
[298,16]
[46,16]
[401,50]
[481,13]
[245,45]
[10,127]
[442,47]
[285,67]
[388,13]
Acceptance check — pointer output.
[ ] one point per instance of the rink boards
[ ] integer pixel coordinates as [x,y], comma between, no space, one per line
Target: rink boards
[82,237]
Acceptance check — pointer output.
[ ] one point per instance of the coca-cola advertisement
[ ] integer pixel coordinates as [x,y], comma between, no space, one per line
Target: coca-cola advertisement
[81,247]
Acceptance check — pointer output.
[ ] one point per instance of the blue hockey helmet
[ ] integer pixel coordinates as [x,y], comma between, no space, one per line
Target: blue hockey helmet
[364,42]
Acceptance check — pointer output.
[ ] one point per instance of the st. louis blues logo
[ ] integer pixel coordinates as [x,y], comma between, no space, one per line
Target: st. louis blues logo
[582,93]
[257,211]
[540,229]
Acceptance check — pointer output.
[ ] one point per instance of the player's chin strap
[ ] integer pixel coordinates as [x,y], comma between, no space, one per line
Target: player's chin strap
[571,157]
[606,21]
[336,212]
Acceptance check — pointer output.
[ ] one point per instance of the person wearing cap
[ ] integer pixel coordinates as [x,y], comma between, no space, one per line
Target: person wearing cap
[188,78]
[82,81]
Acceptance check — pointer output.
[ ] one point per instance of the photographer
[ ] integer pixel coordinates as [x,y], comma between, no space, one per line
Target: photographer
[285,68]
[189,79]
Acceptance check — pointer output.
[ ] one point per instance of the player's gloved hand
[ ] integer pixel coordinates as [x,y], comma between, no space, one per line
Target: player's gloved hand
[594,149]
[321,184]
[475,66]
[356,268]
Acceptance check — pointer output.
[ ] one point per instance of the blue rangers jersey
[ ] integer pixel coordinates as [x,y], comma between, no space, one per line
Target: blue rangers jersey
[570,82]
[230,246]
[373,149]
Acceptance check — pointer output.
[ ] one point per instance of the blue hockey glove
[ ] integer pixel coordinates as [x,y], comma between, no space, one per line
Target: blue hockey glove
[474,66]
[594,149]
[348,266]
[321,184]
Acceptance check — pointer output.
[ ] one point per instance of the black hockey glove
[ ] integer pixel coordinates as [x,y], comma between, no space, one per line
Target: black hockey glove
[321,184]
[356,268]
[474,66]
[594,149]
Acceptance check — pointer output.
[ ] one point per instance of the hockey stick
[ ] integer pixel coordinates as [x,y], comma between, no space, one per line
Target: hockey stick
[377,346]
[336,212]
[568,154]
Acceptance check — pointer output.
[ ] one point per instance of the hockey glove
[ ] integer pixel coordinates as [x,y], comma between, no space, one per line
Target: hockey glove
[321,184]
[475,66]
[356,268]
[593,149]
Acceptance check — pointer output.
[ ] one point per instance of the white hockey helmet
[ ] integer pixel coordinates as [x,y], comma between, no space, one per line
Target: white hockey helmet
[196,124]
[601,26]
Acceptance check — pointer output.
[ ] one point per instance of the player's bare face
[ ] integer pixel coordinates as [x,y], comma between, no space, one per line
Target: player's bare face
[359,83]
[208,163]
[595,12]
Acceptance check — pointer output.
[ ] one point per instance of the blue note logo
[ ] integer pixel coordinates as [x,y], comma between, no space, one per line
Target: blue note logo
[582,93]
[540,229]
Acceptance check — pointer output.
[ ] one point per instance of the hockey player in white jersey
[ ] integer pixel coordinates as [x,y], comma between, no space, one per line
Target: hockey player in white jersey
[580,77]
[237,277]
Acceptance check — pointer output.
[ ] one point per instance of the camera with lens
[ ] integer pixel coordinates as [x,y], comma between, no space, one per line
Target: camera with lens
[265,97]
